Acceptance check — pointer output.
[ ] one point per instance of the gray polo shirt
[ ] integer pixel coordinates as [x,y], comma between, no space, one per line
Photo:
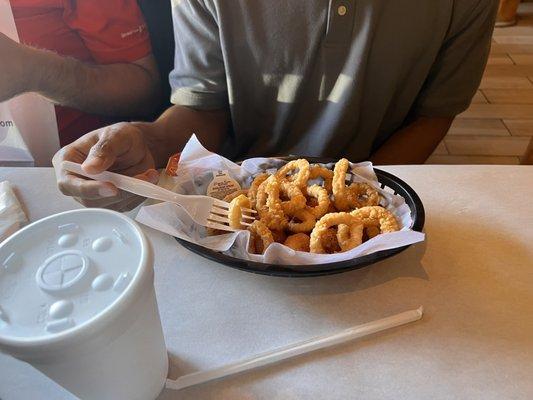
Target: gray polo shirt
[327,77]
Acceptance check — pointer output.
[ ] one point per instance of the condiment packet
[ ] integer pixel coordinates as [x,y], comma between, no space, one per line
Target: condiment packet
[194,175]
[11,214]
[222,185]
[172,165]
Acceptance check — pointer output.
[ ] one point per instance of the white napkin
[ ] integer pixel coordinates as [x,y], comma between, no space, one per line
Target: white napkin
[11,214]
[194,175]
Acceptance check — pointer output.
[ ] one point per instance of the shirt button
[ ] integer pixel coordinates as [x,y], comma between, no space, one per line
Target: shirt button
[342,10]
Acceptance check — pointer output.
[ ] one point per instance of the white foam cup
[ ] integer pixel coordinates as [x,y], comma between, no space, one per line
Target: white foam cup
[77,302]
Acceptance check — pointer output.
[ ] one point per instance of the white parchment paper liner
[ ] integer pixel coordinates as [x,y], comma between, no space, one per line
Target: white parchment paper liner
[195,173]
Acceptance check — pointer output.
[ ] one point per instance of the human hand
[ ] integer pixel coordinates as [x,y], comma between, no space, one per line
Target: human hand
[14,75]
[120,148]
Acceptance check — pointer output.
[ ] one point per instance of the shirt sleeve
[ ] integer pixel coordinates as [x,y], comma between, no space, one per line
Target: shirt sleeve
[198,79]
[456,74]
[113,30]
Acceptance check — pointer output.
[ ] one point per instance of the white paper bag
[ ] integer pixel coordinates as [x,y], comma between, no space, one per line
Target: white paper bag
[13,149]
[34,116]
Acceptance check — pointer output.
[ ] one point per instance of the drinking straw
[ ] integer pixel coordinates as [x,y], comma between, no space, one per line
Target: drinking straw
[296,349]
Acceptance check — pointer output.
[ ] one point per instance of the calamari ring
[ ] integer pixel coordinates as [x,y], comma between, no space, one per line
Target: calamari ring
[235,194]
[268,204]
[296,198]
[317,171]
[331,208]
[356,195]
[372,231]
[235,210]
[322,196]
[252,192]
[301,177]
[363,194]
[298,242]
[349,235]
[259,229]
[340,191]
[307,223]
[377,216]
[329,240]
[279,235]
[311,202]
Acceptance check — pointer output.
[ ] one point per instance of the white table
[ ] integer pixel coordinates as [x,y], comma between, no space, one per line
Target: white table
[474,276]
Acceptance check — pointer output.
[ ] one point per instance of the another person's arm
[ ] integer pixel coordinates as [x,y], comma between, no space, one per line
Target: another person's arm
[118,89]
[121,79]
[200,96]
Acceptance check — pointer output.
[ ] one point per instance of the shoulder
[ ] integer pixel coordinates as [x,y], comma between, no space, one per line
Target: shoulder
[471,8]
[472,12]
[205,4]
[195,7]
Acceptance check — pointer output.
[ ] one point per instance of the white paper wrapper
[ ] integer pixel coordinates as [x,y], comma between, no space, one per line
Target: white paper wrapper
[194,175]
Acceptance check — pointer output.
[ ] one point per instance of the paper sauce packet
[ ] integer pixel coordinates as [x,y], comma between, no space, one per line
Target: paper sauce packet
[222,185]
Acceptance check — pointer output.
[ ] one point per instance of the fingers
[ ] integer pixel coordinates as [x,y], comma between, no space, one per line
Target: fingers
[120,148]
[113,141]
[75,152]
[72,185]
[89,193]
[140,168]
[75,186]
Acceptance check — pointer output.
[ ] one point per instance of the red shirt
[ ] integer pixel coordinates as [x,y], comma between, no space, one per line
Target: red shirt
[93,31]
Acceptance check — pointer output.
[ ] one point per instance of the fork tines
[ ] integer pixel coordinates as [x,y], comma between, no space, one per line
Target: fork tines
[218,218]
[225,205]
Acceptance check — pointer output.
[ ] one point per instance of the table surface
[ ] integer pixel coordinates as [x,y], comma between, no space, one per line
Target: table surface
[473,275]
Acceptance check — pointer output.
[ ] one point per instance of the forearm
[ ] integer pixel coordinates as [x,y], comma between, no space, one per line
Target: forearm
[414,143]
[114,89]
[171,131]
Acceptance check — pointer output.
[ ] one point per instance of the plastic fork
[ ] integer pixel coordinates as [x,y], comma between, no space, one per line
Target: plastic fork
[204,210]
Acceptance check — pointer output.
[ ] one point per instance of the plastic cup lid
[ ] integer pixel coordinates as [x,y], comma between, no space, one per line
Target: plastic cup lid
[60,273]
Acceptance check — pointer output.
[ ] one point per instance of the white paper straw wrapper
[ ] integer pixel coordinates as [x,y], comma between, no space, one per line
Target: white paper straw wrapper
[296,349]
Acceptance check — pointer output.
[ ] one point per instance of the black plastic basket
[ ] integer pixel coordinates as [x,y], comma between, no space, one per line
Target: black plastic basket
[388,182]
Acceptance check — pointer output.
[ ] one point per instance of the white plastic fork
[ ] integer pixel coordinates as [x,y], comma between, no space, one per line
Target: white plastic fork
[204,210]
